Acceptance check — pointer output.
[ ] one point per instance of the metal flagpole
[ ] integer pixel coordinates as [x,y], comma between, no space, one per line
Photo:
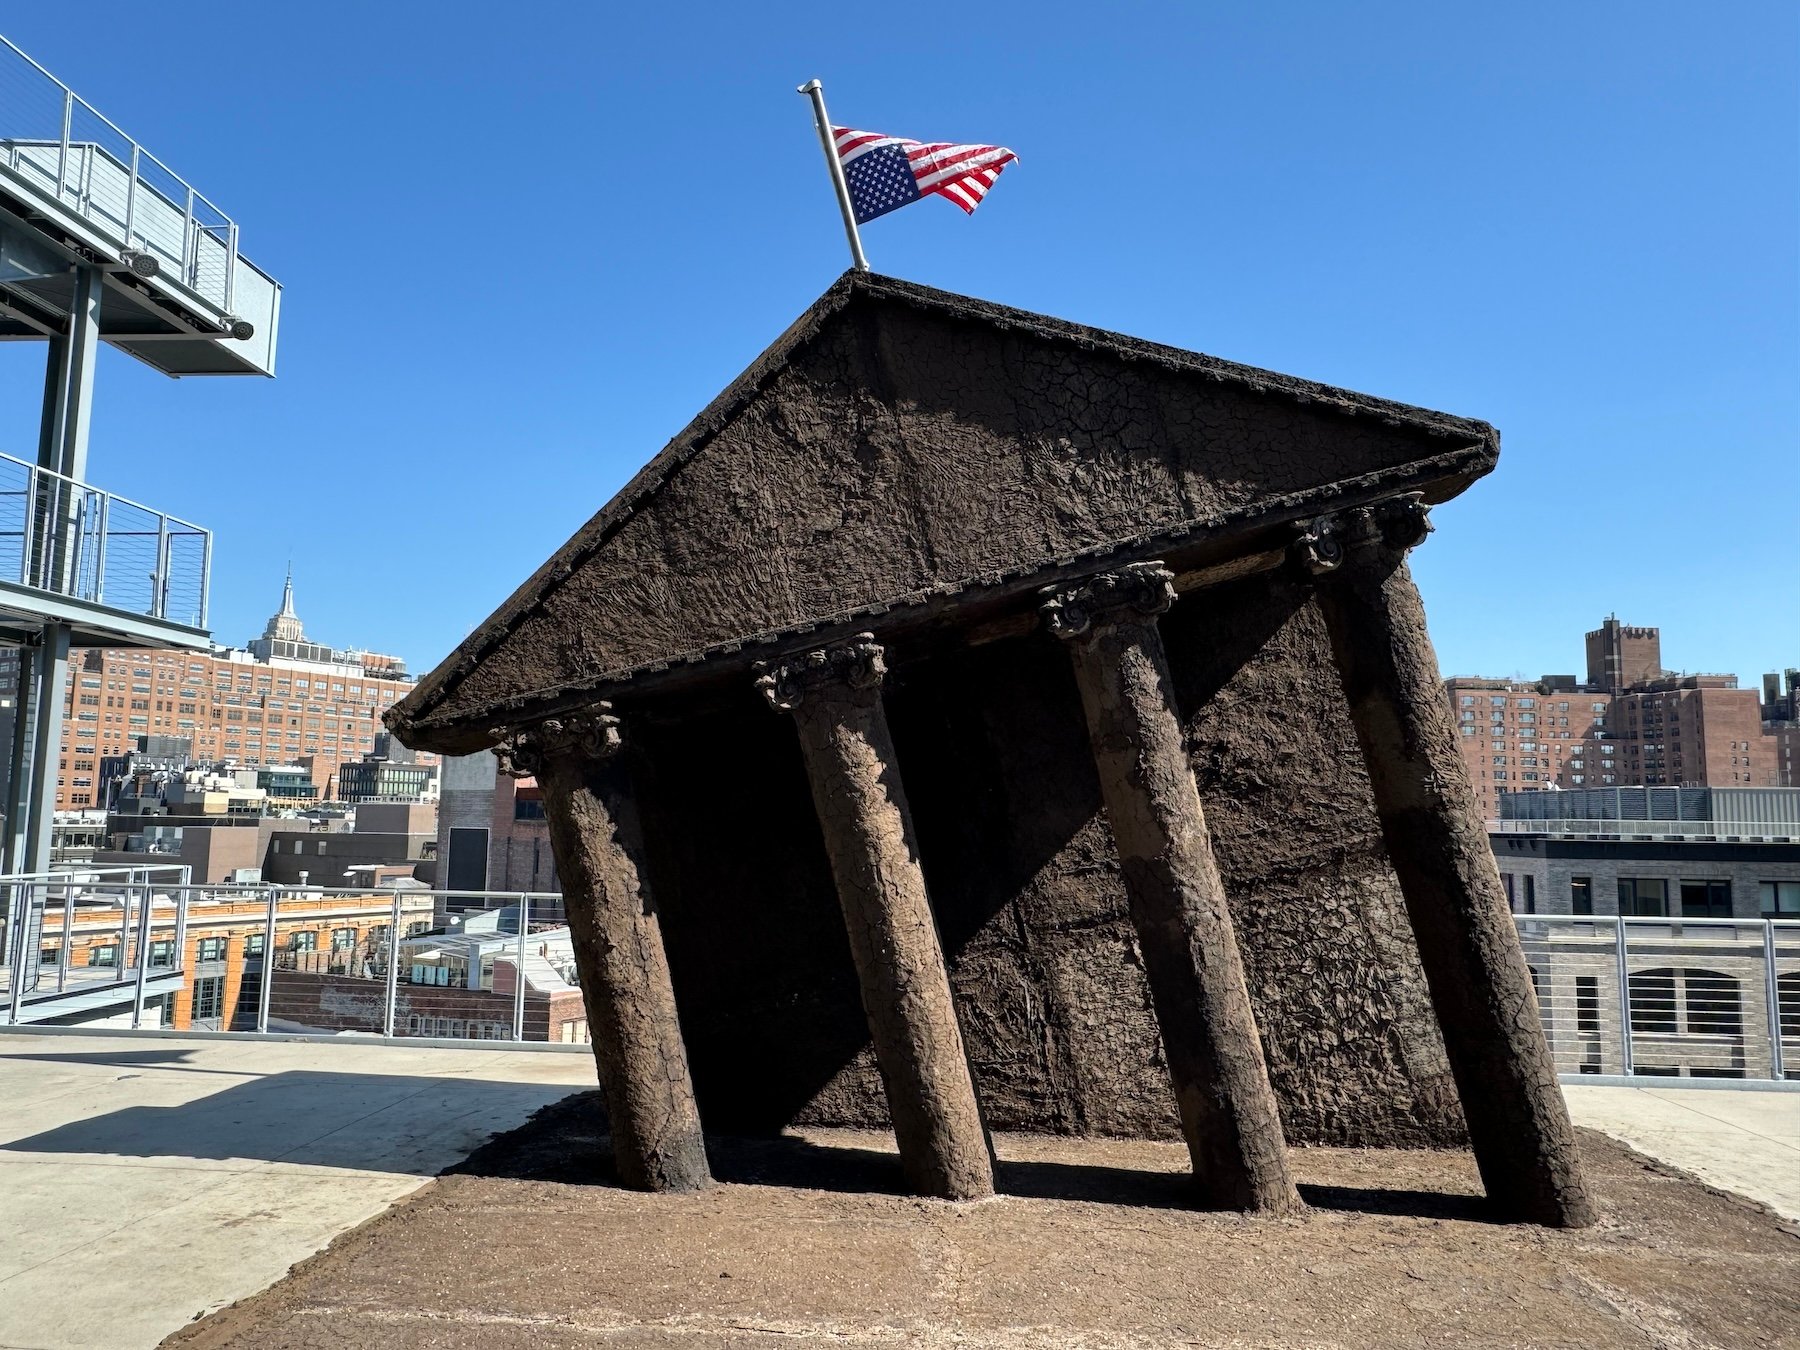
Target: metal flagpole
[814,88]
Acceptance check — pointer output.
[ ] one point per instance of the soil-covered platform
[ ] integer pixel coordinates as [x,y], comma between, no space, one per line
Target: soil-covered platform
[811,1242]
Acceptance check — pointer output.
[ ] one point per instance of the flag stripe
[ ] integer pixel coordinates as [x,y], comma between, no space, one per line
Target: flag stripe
[960,174]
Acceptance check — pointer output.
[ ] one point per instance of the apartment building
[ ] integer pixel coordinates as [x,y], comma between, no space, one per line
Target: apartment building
[1629,723]
[279,701]
[1546,733]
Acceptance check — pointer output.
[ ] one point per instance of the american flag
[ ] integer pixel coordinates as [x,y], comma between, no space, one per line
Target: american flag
[885,173]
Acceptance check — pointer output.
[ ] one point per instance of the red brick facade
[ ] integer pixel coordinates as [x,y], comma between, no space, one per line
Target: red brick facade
[230,705]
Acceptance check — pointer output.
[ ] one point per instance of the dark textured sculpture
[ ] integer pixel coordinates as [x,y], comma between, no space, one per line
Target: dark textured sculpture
[1117,794]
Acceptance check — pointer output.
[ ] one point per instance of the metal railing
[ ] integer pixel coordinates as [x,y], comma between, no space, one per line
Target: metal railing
[1640,998]
[148,948]
[1668,997]
[55,143]
[115,907]
[67,537]
[1612,828]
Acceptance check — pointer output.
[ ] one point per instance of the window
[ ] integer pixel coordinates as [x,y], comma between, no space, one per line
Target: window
[1780,899]
[209,998]
[1652,998]
[1706,899]
[212,949]
[49,956]
[304,941]
[1644,896]
[162,953]
[1530,893]
[1581,895]
[343,939]
[255,944]
[1587,1003]
[1467,701]
[1506,880]
[106,954]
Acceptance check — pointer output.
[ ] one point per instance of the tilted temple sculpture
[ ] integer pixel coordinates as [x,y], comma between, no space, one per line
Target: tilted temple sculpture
[973,720]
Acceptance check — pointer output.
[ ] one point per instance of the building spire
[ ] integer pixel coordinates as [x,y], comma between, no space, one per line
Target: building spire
[285,625]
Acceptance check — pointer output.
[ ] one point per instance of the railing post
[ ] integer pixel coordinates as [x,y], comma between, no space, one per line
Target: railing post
[27,529]
[17,918]
[1625,1062]
[268,966]
[231,247]
[159,598]
[190,252]
[62,154]
[68,938]
[145,905]
[1772,990]
[184,880]
[519,970]
[205,574]
[100,548]
[393,970]
[137,152]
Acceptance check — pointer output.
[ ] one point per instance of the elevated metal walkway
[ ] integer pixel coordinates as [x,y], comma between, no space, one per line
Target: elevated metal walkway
[75,191]
[133,575]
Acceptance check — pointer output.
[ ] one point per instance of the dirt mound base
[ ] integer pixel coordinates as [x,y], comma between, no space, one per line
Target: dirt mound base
[1092,1245]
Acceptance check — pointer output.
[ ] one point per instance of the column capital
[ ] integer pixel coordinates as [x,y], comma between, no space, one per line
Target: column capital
[1136,593]
[1395,525]
[593,734]
[858,663]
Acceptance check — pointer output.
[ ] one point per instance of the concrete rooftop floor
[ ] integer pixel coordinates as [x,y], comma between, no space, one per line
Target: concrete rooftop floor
[164,1178]
[145,1181]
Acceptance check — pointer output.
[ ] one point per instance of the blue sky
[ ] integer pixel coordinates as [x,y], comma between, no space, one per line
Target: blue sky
[523,245]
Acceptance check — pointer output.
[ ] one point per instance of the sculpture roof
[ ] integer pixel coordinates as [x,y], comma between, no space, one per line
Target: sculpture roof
[900,452]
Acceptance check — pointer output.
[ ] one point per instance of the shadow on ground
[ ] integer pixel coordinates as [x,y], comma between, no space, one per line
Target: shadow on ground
[309,1117]
[567,1142]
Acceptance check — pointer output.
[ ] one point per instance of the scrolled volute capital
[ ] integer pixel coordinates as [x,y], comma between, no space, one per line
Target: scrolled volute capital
[1402,522]
[1133,594]
[1395,525]
[855,664]
[525,751]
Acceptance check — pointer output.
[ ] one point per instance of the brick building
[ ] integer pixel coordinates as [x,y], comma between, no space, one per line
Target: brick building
[1546,733]
[1629,724]
[492,835]
[1619,656]
[279,701]
[1781,723]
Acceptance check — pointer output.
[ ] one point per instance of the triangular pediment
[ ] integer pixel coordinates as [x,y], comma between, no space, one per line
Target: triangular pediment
[901,447]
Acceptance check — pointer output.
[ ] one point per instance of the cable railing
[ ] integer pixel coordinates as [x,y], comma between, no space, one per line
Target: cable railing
[146,948]
[56,144]
[150,952]
[67,537]
[1667,997]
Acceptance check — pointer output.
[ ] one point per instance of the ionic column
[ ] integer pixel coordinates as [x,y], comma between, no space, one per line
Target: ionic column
[619,955]
[1178,907]
[835,697]
[1438,845]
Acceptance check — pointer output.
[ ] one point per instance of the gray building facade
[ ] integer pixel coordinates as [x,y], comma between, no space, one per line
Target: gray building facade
[1688,878]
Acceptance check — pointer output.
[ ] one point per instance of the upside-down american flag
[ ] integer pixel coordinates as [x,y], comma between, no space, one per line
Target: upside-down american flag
[885,173]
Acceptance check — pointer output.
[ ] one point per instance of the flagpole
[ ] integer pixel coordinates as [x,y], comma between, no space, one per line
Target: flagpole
[817,91]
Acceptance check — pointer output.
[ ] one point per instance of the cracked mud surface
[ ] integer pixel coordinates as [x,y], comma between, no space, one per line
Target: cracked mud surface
[1092,1246]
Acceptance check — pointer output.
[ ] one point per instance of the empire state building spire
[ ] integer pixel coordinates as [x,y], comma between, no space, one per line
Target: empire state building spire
[285,625]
